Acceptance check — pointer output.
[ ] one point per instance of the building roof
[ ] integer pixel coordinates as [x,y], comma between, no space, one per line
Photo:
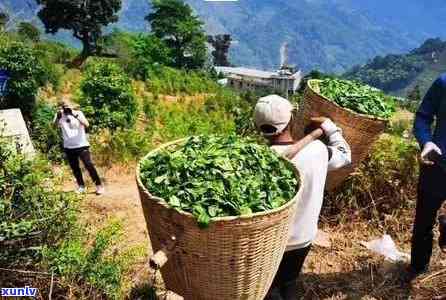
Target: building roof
[245,72]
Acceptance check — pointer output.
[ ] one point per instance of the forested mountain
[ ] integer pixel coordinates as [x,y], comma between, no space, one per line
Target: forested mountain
[330,35]
[400,74]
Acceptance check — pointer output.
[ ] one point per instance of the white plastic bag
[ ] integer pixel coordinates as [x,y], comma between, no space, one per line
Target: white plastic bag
[386,247]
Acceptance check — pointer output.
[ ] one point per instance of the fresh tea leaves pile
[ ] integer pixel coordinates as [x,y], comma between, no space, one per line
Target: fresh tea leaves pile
[357,97]
[212,176]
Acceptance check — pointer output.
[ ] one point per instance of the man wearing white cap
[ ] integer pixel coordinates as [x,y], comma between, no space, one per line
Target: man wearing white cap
[273,116]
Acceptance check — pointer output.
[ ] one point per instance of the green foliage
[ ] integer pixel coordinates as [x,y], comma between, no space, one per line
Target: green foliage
[107,97]
[55,52]
[147,53]
[93,265]
[393,73]
[239,107]
[33,213]
[123,145]
[170,81]
[356,96]
[45,135]
[28,31]
[26,74]
[211,176]
[389,73]
[4,18]
[84,18]
[173,21]
[413,100]
[182,120]
[384,184]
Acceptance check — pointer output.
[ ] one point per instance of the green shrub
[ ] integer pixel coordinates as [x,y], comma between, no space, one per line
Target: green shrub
[55,52]
[25,70]
[33,213]
[239,107]
[95,265]
[179,120]
[383,185]
[28,31]
[147,52]
[107,97]
[123,145]
[169,81]
[44,133]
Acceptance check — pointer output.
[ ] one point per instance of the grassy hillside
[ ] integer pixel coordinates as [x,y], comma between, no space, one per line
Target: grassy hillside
[400,74]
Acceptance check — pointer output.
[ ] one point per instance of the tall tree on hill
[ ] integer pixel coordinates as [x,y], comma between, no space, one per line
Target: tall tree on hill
[85,18]
[221,44]
[174,22]
[4,18]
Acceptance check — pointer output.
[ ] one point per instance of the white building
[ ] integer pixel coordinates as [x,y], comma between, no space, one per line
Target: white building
[13,128]
[284,80]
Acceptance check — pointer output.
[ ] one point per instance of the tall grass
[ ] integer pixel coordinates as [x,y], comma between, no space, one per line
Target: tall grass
[384,185]
[169,81]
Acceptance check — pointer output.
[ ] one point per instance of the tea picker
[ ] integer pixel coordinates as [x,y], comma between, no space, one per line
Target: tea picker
[431,187]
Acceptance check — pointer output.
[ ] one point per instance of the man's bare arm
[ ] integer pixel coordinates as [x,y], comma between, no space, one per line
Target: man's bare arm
[293,149]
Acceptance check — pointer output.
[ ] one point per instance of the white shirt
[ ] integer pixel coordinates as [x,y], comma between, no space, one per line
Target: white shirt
[313,162]
[73,131]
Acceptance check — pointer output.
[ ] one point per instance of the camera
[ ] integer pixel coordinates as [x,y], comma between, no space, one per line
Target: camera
[67,111]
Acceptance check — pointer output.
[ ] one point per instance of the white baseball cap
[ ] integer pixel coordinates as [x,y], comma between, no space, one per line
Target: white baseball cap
[273,111]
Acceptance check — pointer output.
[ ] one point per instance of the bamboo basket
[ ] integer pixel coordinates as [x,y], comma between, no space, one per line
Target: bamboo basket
[234,258]
[359,130]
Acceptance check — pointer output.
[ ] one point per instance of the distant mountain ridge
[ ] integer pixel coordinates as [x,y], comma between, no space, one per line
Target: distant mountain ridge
[329,35]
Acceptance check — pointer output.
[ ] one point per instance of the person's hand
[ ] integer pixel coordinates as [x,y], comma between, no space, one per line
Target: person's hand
[428,147]
[319,120]
[315,124]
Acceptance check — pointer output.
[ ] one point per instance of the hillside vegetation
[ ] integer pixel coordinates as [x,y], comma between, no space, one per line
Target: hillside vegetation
[401,74]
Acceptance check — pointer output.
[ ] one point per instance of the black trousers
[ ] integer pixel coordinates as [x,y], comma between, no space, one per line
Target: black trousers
[83,153]
[290,266]
[431,195]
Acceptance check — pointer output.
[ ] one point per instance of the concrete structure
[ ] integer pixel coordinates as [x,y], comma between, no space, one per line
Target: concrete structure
[285,80]
[13,127]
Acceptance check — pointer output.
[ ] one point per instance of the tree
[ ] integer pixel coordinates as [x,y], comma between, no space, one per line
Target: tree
[174,22]
[4,18]
[28,31]
[221,44]
[147,52]
[107,97]
[26,74]
[85,18]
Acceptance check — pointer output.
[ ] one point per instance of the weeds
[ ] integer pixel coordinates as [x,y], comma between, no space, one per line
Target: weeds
[98,265]
[383,185]
[33,212]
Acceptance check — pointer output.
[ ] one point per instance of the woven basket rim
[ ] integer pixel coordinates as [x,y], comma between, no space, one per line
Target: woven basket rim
[214,220]
[370,117]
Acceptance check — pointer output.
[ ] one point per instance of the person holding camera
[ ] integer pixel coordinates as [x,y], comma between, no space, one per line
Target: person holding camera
[76,147]
[431,184]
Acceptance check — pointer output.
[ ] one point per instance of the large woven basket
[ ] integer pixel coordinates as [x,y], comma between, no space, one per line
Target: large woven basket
[359,130]
[234,258]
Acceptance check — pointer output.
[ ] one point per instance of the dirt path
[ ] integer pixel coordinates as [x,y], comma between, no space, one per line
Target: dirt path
[346,270]
[121,201]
